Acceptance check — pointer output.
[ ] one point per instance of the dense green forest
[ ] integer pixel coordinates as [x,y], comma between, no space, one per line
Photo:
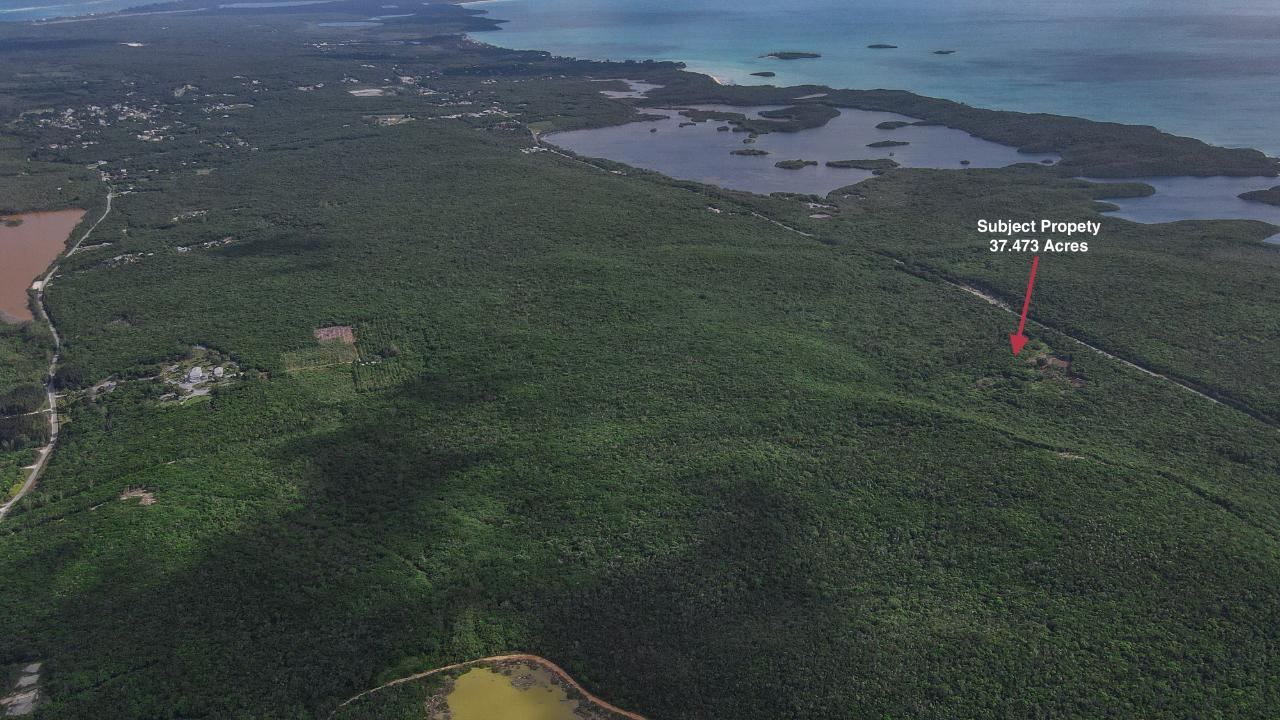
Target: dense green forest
[1204,311]
[25,350]
[1090,148]
[1271,196]
[713,467]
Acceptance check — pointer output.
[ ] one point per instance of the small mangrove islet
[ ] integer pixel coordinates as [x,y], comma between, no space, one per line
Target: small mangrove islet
[1270,196]
[791,55]
[872,164]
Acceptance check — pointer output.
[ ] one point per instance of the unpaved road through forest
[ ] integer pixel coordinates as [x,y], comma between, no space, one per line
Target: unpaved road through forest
[46,452]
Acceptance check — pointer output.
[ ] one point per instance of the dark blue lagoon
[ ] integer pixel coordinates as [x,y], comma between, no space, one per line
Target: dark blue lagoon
[1197,198]
[1202,69]
[702,152]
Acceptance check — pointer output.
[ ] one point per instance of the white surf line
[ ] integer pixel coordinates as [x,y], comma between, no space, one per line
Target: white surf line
[112,16]
[46,452]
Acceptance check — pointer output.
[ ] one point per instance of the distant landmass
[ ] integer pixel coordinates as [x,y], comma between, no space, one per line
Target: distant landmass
[1270,196]
[790,55]
[363,375]
[869,164]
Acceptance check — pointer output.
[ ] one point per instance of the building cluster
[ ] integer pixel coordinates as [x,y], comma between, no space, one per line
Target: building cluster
[198,377]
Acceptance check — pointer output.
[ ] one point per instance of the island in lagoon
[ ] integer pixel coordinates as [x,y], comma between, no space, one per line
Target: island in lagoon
[791,55]
[354,399]
[873,164]
[1270,196]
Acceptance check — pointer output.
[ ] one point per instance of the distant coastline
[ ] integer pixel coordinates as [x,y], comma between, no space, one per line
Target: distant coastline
[1132,150]
[791,55]
[1130,71]
[26,12]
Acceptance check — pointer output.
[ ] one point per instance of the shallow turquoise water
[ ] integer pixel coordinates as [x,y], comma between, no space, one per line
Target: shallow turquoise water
[1204,69]
[22,10]
[1208,70]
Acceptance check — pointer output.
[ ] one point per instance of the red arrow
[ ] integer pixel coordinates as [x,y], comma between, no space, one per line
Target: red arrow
[1018,340]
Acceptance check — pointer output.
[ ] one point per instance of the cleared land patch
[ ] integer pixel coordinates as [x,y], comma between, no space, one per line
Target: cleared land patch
[335,346]
[343,333]
[387,356]
[142,495]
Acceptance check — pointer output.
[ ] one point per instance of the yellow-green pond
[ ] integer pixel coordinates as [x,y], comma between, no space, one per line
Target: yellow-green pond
[528,693]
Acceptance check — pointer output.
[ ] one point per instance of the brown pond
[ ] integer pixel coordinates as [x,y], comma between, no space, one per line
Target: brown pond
[26,251]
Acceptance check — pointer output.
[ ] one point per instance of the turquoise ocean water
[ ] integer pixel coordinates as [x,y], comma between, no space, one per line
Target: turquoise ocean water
[23,10]
[1205,68]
